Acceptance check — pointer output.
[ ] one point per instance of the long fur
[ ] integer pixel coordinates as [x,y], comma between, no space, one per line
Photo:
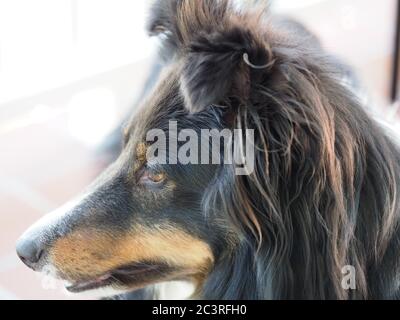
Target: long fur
[324,193]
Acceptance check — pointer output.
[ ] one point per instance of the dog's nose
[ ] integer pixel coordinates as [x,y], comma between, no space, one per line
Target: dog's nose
[30,251]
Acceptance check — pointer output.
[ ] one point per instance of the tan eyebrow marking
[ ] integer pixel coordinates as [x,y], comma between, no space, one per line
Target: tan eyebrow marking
[141,151]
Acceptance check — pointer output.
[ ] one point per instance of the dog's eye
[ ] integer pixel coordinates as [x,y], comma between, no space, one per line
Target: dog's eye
[158,177]
[153,178]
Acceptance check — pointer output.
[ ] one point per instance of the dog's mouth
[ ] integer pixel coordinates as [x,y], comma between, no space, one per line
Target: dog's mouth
[123,277]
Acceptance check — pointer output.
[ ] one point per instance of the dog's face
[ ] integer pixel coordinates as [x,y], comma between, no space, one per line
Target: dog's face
[144,221]
[141,222]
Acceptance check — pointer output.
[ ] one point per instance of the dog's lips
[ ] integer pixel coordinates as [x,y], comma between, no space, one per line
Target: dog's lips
[80,286]
[120,276]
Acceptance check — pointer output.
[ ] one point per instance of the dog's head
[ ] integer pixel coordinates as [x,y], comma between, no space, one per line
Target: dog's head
[145,220]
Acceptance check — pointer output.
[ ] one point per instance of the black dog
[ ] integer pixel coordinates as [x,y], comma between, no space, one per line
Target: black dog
[322,198]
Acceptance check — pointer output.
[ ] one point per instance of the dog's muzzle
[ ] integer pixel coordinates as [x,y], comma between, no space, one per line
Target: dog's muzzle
[33,246]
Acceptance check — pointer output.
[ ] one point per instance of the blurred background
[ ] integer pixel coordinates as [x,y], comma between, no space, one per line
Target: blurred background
[72,70]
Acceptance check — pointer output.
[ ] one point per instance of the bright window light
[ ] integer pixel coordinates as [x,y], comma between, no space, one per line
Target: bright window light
[92,115]
[47,44]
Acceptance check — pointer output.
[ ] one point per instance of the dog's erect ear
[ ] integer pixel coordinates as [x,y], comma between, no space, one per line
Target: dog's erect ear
[162,22]
[221,48]
[162,16]
[223,65]
[178,21]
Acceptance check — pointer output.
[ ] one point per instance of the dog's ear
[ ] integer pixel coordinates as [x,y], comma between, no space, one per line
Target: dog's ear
[222,66]
[222,50]
[162,16]
[162,22]
[178,21]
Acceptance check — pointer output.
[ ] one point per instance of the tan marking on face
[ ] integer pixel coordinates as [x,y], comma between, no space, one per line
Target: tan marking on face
[141,151]
[140,159]
[90,253]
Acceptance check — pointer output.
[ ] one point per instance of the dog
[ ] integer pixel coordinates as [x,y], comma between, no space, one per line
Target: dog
[322,198]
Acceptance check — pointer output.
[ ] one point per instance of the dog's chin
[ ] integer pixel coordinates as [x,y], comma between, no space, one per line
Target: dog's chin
[104,281]
[121,280]
[96,293]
